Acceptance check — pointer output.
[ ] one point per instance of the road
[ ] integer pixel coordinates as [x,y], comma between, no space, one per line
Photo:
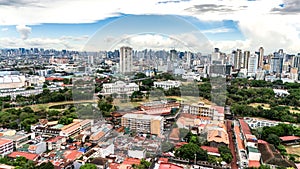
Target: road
[231,145]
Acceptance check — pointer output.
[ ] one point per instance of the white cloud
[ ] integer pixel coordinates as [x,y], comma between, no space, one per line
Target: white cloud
[259,25]
[217,30]
[57,43]
[24,31]
[4,29]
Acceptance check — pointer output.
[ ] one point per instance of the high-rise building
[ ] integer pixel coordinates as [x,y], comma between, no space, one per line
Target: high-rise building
[237,58]
[277,62]
[296,61]
[252,64]
[173,55]
[246,59]
[261,58]
[125,60]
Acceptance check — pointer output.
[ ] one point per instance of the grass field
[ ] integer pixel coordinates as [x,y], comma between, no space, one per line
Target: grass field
[264,105]
[294,150]
[267,106]
[37,107]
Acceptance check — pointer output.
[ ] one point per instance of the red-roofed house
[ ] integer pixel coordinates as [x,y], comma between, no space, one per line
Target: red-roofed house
[55,142]
[211,150]
[131,161]
[244,127]
[290,139]
[253,163]
[169,166]
[72,155]
[28,156]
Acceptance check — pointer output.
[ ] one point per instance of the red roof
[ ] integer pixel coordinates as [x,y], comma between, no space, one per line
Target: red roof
[4,141]
[54,78]
[114,166]
[289,138]
[163,160]
[219,109]
[131,161]
[210,149]
[178,145]
[245,127]
[55,139]
[169,166]
[253,163]
[72,154]
[28,156]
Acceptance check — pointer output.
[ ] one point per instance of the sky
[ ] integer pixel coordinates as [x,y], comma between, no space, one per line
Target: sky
[191,24]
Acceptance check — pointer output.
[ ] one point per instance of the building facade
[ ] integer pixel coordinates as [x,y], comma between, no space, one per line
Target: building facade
[125,60]
[144,123]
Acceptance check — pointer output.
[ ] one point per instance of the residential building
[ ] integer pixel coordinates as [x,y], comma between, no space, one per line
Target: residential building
[252,65]
[255,123]
[119,87]
[20,138]
[167,84]
[137,152]
[125,60]
[28,156]
[6,146]
[101,163]
[38,148]
[144,123]
[216,113]
[55,142]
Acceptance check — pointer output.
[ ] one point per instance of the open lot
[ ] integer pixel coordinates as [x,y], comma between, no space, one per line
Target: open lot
[295,149]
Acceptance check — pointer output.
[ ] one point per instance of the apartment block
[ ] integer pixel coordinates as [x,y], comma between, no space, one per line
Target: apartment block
[144,123]
[6,146]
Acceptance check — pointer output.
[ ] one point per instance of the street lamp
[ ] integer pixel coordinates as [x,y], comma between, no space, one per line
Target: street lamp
[195,158]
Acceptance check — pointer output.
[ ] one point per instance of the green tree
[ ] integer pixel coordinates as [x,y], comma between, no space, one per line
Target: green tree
[188,151]
[273,139]
[46,165]
[225,153]
[88,166]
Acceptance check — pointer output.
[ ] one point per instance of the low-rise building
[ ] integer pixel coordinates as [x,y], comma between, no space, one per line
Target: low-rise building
[255,123]
[55,142]
[6,146]
[119,87]
[37,148]
[167,84]
[137,152]
[216,113]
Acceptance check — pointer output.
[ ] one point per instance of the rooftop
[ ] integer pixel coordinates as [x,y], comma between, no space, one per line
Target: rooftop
[245,127]
[142,116]
[72,154]
[169,166]
[253,163]
[289,138]
[4,141]
[29,156]
[210,149]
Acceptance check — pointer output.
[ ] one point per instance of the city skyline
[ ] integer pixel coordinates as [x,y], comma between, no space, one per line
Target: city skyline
[227,24]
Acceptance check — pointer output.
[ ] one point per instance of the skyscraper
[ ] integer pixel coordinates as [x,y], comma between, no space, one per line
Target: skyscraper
[237,59]
[252,64]
[246,59]
[125,60]
[261,58]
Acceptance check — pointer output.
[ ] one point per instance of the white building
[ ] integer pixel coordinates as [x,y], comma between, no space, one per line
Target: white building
[167,84]
[12,81]
[191,76]
[6,146]
[37,148]
[257,122]
[252,64]
[125,59]
[119,87]
[35,80]
[137,152]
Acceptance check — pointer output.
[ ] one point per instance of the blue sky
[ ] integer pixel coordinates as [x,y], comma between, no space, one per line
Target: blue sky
[227,24]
